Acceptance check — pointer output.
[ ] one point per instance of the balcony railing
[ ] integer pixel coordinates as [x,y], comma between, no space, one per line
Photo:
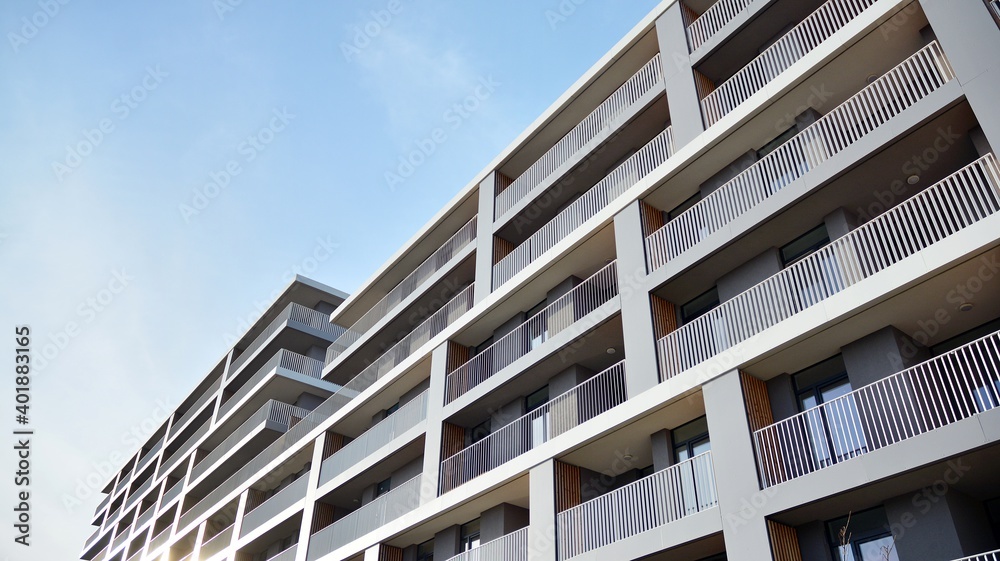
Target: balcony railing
[216,544]
[960,200]
[900,88]
[512,547]
[172,493]
[370,517]
[284,359]
[101,554]
[104,503]
[577,406]
[139,491]
[941,391]
[793,46]
[375,438]
[714,19]
[588,296]
[179,424]
[274,505]
[182,451]
[109,521]
[293,313]
[465,236]
[988,556]
[146,516]
[159,539]
[637,166]
[135,555]
[433,325]
[287,555]
[150,455]
[273,411]
[617,104]
[663,497]
[122,537]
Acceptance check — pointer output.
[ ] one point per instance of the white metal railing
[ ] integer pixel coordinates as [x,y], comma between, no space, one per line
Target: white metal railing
[512,547]
[433,325]
[988,556]
[647,78]
[273,411]
[180,423]
[287,555]
[465,236]
[816,28]
[958,201]
[405,418]
[714,19]
[216,544]
[663,497]
[275,504]
[368,518]
[292,313]
[637,166]
[580,404]
[282,359]
[941,391]
[588,296]
[903,86]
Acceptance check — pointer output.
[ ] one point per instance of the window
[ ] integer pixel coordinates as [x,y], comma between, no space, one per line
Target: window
[392,409]
[539,421]
[777,142]
[681,208]
[425,551]
[804,245]
[870,539]
[536,399]
[383,487]
[835,431]
[470,536]
[479,432]
[699,305]
[537,330]
[691,439]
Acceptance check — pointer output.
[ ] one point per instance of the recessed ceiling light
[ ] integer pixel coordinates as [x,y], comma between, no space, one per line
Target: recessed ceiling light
[966,307]
[628,457]
[913,179]
[611,350]
[871,78]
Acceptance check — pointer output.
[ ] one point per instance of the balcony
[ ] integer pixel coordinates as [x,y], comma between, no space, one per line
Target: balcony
[275,505]
[712,21]
[789,49]
[101,554]
[287,555]
[159,539]
[274,415]
[104,503]
[149,456]
[283,360]
[374,439]
[663,497]
[121,538]
[941,391]
[409,285]
[874,106]
[988,556]
[584,402]
[606,117]
[366,519]
[512,547]
[294,315]
[637,166]
[953,204]
[145,516]
[194,409]
[182,451]
[588,296]
[217,544]
[139,491]
[172,493]
[432,326]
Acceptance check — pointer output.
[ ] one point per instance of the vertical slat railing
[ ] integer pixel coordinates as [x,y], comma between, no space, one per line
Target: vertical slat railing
[282,359]
[586,297]
[958,201]
[512,547]
[989,555]
[713,20]
[293,312]
[902,87]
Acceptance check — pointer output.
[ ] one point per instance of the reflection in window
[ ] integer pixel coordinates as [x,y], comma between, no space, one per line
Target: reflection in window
[869,538]
[834,430]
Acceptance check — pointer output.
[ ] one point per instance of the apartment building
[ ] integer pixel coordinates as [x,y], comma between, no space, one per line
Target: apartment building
[734,295]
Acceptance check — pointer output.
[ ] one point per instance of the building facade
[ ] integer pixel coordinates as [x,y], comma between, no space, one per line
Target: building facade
[733,296]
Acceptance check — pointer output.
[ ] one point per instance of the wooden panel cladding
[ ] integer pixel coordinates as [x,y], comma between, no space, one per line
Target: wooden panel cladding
[255,498]
[757,401]
[452,440]
[664,317]
[458,355]
[568,494]
[501,249]
[332,444]
[688,14]
[502,182]
[322,516]
[784,542]
[703,84]
[651,219]
[389,553]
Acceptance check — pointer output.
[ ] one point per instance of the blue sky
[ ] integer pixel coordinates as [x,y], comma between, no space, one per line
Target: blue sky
[166,166]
